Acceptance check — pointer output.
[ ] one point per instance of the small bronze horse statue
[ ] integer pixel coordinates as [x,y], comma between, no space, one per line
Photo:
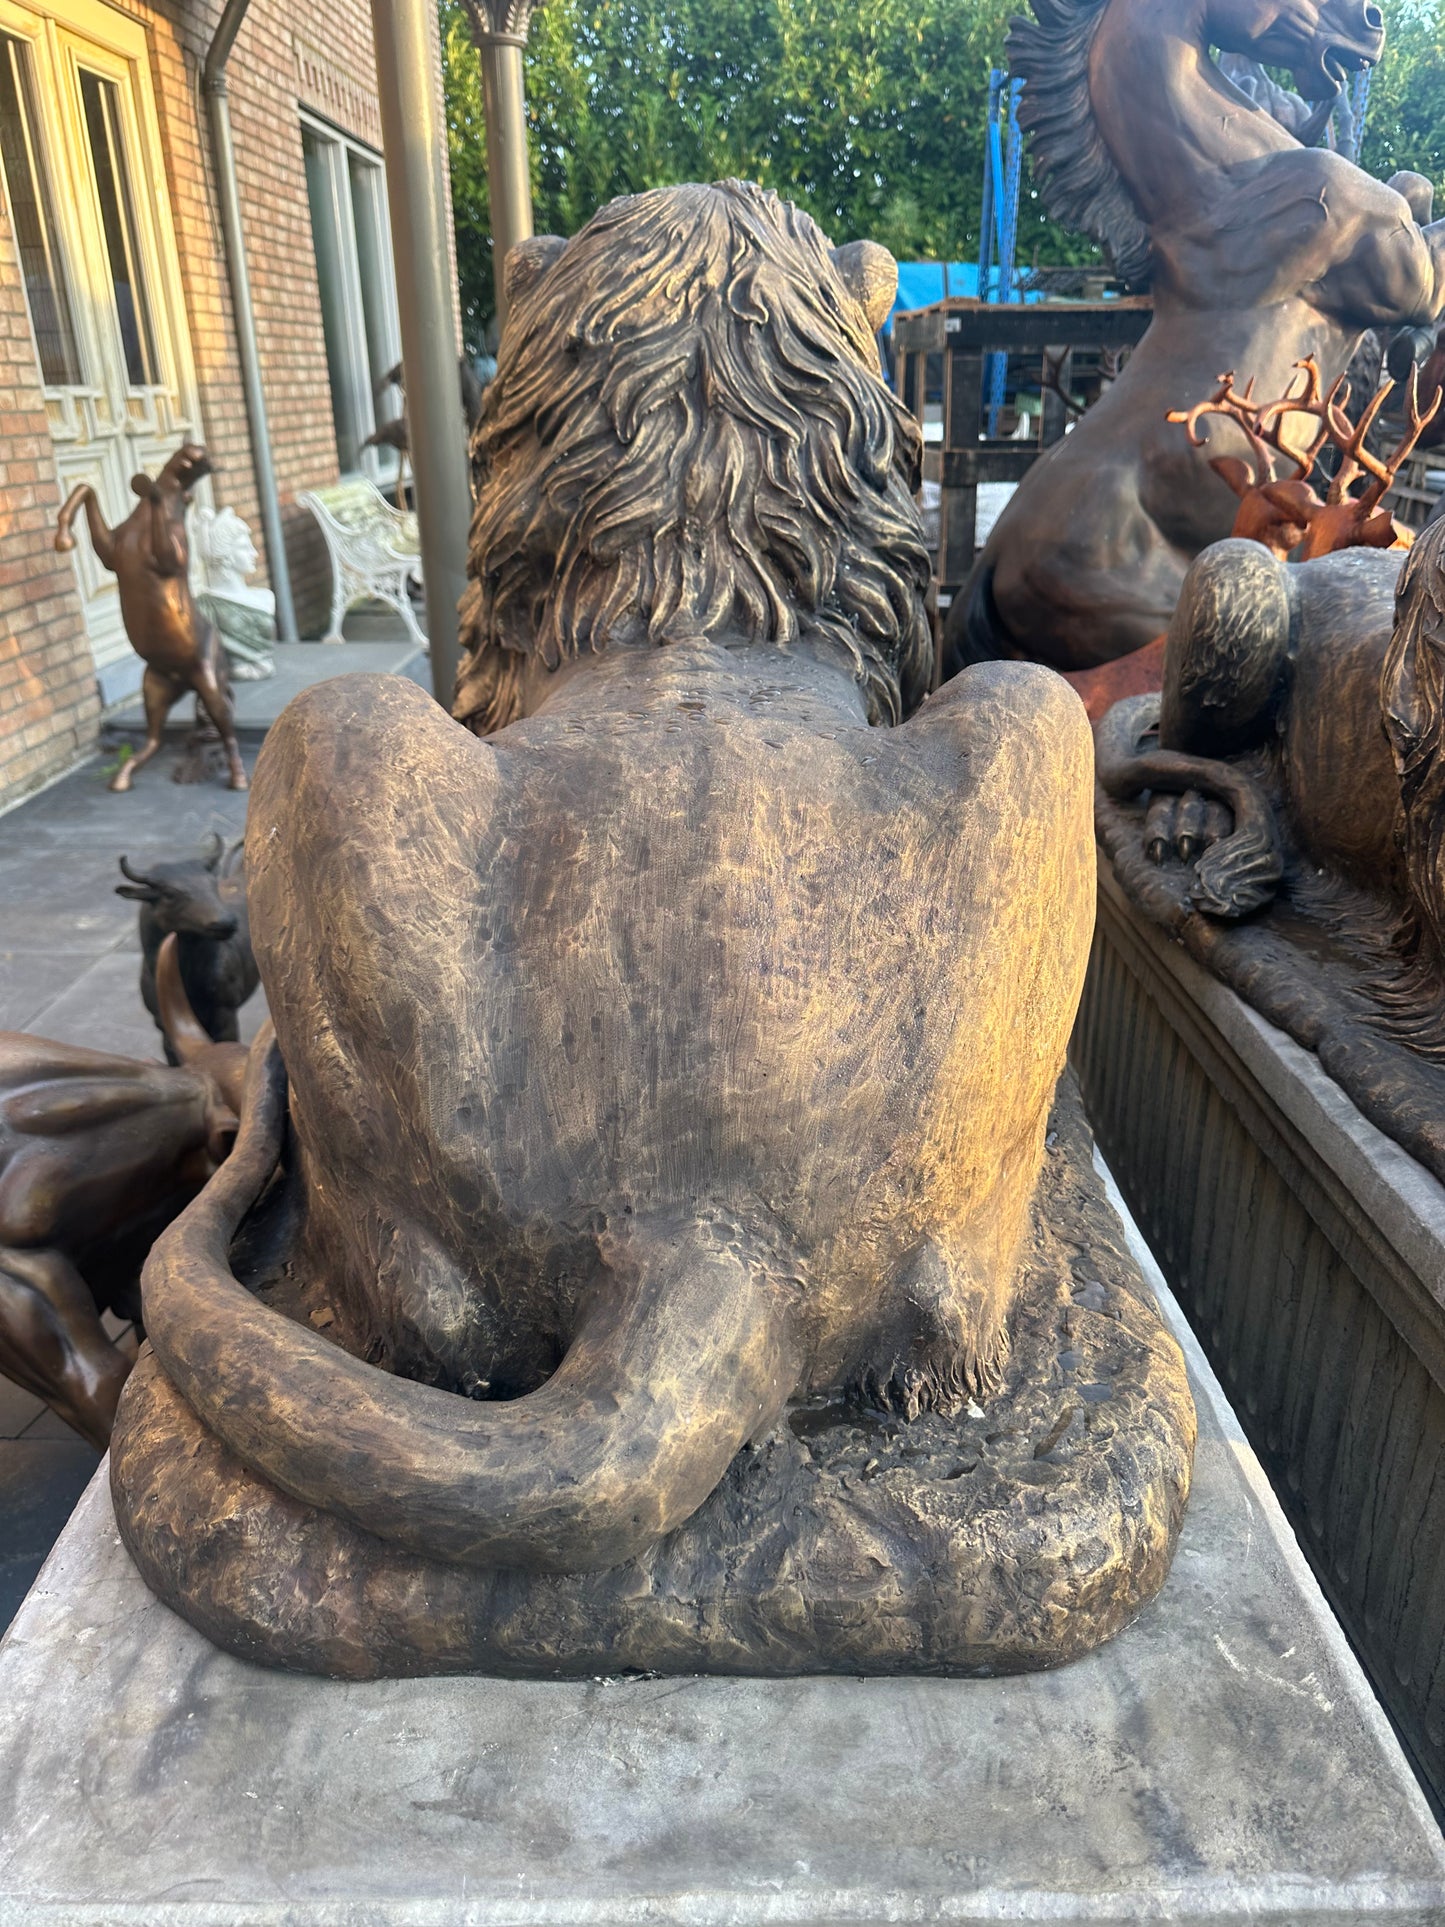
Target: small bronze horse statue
[148,554]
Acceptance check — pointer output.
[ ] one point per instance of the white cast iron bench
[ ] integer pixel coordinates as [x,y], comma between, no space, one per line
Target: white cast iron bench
[375,550]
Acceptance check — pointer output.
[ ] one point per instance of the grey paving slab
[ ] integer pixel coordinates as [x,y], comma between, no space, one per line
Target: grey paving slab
[298,666]
[40,1481]
[1222,1761]
[46,1425]
[102,1010]
[18,1409]
[30,980]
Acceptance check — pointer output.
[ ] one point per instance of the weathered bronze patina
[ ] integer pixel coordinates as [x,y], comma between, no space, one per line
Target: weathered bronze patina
[675,1056]
[97,1155]
[1284,513]
[1256,251]
[149,555]
[200,901]
[1293,830]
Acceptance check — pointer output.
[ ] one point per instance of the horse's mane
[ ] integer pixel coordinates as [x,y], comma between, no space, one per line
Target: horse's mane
[688,436]
[1076,174]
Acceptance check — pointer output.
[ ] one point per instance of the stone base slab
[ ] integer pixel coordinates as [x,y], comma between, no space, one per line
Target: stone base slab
[1223,1760]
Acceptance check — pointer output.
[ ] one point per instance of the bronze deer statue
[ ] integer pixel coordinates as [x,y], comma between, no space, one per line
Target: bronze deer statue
[1286,514]
[148,555]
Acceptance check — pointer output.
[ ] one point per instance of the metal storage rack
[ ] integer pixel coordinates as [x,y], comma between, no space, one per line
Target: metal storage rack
[950,349]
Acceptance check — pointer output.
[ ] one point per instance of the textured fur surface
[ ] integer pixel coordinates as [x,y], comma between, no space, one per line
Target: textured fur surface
[694,444]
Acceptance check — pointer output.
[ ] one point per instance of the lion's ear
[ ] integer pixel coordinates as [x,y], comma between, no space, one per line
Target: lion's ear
[527,262]
[870,274]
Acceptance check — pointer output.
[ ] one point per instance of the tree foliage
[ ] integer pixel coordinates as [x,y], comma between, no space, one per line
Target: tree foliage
[869,113]
[1405,125]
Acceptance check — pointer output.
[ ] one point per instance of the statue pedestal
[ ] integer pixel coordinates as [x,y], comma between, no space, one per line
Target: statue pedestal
[1222,1760]
[1309,1249]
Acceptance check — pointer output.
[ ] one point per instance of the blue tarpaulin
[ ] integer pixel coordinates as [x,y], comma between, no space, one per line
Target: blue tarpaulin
[920,284]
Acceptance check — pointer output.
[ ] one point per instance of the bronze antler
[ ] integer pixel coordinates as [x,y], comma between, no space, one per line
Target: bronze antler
[1242,410]
[1310,400]
[1356,459]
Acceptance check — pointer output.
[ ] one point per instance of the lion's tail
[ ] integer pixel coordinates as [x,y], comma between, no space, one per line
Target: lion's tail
[667,1376]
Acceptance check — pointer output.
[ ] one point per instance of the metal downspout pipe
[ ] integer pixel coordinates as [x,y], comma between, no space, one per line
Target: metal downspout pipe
[509,183]
[499,30]
[223,154]
[412,137]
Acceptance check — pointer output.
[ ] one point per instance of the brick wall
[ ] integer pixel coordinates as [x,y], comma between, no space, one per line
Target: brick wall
[285,57]
[48,702]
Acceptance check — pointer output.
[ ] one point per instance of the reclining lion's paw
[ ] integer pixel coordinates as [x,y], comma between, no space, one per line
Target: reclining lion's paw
[1238,875]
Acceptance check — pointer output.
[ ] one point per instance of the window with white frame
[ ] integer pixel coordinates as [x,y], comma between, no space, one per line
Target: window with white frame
[346,190]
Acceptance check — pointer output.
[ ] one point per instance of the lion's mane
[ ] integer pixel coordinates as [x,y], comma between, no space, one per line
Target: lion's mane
[1412,702]
[687,436]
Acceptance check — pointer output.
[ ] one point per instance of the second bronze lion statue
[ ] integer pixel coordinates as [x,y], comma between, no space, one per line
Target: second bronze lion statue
[677,1052]
[1294,830]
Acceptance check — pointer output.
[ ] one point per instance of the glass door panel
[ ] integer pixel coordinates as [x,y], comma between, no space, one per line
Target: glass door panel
[351,237]
[118,224]
[28,193]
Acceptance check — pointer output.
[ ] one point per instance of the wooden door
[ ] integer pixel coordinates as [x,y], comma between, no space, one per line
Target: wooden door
[85,183]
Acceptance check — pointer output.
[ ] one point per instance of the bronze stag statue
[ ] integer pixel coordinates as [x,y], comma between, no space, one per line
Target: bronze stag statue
[663,1071]
[1257,252]
[1293,823]
[1285,513]
[149,557]
[97,1155]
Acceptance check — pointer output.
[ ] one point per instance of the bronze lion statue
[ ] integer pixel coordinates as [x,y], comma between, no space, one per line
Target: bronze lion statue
[669,1052]
[1295,821]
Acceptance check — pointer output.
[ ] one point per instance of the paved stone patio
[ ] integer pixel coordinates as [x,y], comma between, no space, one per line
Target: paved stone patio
[70,969]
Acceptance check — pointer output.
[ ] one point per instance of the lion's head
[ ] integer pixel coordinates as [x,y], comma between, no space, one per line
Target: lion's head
[688,436]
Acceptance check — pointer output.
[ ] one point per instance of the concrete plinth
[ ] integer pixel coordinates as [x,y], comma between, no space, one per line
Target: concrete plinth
[1222,1760]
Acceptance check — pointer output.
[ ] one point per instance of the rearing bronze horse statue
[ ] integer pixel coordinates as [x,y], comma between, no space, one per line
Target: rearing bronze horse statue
[150,557]
[1258,252]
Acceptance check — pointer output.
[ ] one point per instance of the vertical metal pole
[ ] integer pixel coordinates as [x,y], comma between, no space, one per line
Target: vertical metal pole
[985,221]
[1359,107]
[1006,201]
[233,242]
[1013,179]
[412,136]
[509,174]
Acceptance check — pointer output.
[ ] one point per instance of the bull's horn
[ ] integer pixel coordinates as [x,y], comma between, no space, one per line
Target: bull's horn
[674,1369]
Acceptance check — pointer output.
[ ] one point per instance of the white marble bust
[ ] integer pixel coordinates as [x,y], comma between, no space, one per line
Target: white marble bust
[222,556]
